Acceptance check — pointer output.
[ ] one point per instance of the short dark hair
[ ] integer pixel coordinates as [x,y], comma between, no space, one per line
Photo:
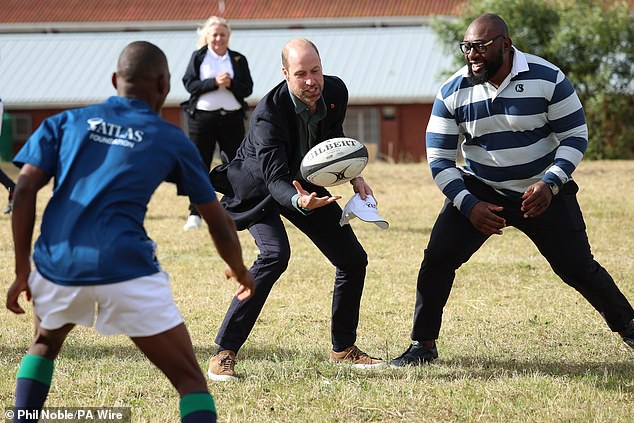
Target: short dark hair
[494,20]
[141,59]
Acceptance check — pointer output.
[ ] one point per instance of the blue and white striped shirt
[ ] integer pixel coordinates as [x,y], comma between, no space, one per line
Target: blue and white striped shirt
[532,127]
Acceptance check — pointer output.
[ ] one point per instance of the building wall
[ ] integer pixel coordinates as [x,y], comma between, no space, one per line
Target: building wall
[403,132]
[402,128]
[173,115]
[413,120]
[25,122]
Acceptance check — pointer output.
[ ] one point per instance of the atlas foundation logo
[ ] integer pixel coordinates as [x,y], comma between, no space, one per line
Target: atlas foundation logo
[112,133]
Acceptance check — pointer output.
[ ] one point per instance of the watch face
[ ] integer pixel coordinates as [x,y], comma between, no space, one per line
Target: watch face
[554,188]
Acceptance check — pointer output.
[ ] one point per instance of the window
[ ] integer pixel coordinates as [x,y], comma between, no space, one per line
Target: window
[363,124]
[22,127]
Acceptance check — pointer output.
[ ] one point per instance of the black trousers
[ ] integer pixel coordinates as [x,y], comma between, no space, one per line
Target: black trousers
[559,234]
[6,181]
[339,245]
[208,128]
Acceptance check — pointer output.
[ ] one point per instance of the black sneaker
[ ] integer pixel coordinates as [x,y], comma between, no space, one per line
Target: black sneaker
[628,334]
[416,355]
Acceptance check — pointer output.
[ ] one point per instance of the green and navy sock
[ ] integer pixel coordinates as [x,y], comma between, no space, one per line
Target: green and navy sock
[198,407]
[33,382]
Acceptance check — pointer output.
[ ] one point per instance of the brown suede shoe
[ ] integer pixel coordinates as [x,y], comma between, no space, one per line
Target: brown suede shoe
[221,366]
[357,358]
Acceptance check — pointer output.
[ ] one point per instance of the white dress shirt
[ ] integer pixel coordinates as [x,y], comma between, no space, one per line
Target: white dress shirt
[221,98]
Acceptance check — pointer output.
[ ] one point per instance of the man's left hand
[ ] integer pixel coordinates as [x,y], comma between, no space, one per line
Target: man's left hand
[360,186]
[536,199]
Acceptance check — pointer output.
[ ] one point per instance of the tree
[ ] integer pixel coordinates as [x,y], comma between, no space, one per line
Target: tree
[591,41]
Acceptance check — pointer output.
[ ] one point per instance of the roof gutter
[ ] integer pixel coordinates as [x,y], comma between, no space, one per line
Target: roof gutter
[175,102]
[56,27]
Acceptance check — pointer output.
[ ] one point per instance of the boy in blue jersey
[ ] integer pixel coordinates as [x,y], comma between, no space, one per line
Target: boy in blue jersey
[106,161]
[523,132]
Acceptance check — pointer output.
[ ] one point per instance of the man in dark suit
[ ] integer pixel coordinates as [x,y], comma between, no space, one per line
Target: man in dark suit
[263,183]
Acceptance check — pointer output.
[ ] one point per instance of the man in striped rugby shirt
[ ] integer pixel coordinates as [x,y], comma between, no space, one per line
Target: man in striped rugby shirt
[522,131]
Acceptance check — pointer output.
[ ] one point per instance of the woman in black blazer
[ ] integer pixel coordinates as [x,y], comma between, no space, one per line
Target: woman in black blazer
[218,80]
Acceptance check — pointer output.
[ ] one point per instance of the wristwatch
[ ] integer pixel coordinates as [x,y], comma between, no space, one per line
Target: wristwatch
[554,188]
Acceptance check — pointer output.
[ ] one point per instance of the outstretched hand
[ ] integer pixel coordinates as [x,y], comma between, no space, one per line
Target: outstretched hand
[247,286]
[309,200]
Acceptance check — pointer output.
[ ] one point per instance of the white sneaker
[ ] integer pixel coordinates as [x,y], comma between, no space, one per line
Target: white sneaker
[193,222]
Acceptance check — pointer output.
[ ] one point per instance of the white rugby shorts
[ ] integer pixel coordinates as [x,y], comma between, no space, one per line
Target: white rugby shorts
[137,307]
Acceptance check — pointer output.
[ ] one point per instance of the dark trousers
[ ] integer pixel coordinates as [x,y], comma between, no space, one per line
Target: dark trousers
[559,234]
[339,245]
[208,128]
[6,181]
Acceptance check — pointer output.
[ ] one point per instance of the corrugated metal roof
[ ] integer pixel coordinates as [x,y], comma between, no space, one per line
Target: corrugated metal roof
[379,65]
[15,11]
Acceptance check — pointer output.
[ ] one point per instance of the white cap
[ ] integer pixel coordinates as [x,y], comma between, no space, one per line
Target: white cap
[365,210]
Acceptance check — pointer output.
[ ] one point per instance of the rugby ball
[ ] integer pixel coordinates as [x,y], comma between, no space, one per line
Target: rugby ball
[334,161]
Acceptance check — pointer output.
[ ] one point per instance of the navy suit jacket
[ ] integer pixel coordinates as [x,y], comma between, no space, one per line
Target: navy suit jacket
[241,83]
[259,179]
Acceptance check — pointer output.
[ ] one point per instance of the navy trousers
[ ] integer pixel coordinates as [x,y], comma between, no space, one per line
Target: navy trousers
[340,246]
[6,181]
[559,234]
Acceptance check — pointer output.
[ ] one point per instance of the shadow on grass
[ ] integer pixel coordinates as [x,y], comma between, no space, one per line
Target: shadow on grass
[74,350]
[607,375]
[488,368]
[454,368]
[126,350]
[268,352]
[161,217]
[604,375]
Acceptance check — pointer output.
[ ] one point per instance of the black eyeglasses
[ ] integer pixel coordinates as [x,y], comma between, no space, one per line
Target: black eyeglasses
[479,46]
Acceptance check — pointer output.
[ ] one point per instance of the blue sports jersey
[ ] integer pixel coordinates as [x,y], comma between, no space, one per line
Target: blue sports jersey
[107,160]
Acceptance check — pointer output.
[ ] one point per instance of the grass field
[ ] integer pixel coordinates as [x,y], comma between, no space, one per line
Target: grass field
[517,344]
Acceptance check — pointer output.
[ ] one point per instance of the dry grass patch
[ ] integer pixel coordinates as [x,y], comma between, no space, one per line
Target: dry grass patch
[517,344]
